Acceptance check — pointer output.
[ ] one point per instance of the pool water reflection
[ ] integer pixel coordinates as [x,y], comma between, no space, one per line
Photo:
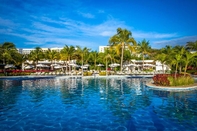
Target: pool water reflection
[94,104]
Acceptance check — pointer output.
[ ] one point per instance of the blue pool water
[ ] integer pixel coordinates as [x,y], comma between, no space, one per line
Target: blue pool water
[115,104]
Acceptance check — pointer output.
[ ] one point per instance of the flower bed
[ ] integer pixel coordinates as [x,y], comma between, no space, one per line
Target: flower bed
[20,72]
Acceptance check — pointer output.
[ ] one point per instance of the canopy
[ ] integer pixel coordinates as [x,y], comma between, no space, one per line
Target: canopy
[10,66]
[29,67]
[100,65]
[58,67]
[41,65]
[114,65]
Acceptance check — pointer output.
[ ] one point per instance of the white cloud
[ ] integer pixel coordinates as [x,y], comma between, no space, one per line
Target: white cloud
[101,11]
[86,15]
[6,23]
[47,32]
[155,35]
[173,42]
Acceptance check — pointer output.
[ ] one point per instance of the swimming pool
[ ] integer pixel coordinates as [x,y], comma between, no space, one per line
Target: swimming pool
[66,104]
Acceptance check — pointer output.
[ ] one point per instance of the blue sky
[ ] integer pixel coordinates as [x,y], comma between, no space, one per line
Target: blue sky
[90,23]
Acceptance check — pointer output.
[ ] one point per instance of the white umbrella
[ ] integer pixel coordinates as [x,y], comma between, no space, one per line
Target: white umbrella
[54,64]
[10,66]
[29,67]
[131,64]
[114,65]
[57,67]
[100,65]
[46,66]
[86,65]
[39,65]
[111,65]
[72,64]
[151,65]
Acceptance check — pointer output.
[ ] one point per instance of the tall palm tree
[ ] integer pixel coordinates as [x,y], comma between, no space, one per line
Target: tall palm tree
[52,55]
[8,52]
[94,57]
[107,56]
[83,54]
[177,57]
[115,52]
[188,58]
[144,49]
[192,46]
[162,57]
[64,56]
[68,53]
[122,38]
[36,55]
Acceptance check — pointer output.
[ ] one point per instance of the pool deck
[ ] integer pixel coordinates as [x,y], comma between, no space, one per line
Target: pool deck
[172,88]
[75,76]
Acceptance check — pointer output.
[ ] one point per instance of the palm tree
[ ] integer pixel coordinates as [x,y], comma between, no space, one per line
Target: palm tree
[107,56]
[144,49]
[8,52]
[36,55]
[192,46]
[25,57]
[122,38]
[162,57]
[177,57]
[188,57]
[68,53]
[64,56]
[94,57]
[83,54]
[52,55]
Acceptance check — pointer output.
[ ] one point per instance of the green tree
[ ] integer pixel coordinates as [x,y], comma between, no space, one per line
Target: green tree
[67,53]
[188,58]
[9,53]
[36,55]
[177,57]
[144,49]
[83,54]
[52,55]
[121,39]
[94,57]
[107,56]
[191,46]
[162,57]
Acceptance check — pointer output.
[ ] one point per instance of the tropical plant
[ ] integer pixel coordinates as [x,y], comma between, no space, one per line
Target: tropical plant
[188,58]
[52,55]
[83,54]
[162,57]
[191,46]
[177,57]
[36,55]
[105,57]
[144,49]
[9,53]
[94,57]
[121,39]
[67,53]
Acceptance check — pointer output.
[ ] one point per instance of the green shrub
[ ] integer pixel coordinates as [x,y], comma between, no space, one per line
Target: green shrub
[87,73]
[181,81]
[102,73]
[2,74]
